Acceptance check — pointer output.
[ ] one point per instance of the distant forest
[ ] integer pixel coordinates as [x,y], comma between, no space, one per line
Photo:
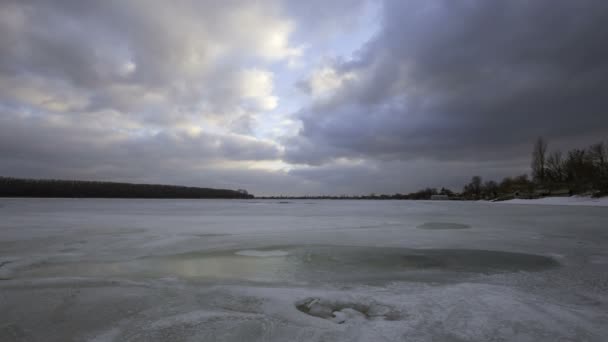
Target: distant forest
[18,187]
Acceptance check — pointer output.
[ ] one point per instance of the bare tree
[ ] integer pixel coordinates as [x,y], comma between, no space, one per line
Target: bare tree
[555,167]
[473,189]
[599,155]
[489,189]
[539,160]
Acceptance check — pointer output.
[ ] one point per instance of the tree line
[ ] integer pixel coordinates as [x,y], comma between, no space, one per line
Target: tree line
[19,187]
[578,171]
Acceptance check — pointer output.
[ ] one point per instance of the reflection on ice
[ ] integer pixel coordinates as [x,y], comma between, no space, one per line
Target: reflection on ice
[311,264]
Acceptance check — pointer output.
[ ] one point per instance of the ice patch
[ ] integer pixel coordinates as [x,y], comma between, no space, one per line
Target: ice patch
[107,336]
[347,312]
[195,317]
[442,225]
[309,264]
[262,254]
[8,266]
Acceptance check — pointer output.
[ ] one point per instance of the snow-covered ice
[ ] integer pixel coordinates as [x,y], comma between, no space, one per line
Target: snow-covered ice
[572,200]
[262,253]
[238,270]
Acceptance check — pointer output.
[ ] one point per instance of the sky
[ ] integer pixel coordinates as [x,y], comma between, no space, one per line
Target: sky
[297,97]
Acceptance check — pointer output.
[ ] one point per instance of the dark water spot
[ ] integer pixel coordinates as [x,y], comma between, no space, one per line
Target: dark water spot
[442,225]
[471,260]
[369,263]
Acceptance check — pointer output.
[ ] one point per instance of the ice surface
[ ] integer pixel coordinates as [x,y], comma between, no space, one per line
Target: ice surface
[183,270]
[309,264]
[347,312]
[262,254]
[443,225]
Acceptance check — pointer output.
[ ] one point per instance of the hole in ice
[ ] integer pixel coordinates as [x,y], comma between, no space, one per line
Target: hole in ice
[347,312]
[442,225]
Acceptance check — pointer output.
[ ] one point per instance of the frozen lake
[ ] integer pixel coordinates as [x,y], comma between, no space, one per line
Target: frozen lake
[262,270]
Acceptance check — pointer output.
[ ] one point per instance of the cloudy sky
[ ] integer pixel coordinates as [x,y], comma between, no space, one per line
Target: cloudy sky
[297,97]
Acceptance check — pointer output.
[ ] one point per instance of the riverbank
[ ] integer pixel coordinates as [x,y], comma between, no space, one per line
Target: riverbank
[572,200]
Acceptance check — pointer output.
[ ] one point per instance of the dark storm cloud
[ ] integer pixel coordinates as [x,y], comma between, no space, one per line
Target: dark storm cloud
[60,40]
[458,80]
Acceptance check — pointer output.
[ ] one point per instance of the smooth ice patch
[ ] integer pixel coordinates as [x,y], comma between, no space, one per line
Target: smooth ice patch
[262,253]
[311,264]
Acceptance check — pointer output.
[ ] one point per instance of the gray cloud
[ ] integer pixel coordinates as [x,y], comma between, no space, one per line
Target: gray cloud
[35,147]
[151,91]
[135,89]
[389,177]
[324,19]
[142,57]
[74,144]
[465,80]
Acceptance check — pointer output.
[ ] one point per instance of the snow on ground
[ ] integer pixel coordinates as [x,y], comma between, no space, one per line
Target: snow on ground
[184,270]
[573,200]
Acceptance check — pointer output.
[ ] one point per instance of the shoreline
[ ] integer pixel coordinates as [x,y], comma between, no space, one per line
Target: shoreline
[568,201]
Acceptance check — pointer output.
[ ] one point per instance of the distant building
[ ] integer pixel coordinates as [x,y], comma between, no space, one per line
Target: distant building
[440,197]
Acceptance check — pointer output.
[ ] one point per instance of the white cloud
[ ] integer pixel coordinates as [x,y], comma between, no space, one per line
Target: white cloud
[325,81]
[257,85]
[260,27]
